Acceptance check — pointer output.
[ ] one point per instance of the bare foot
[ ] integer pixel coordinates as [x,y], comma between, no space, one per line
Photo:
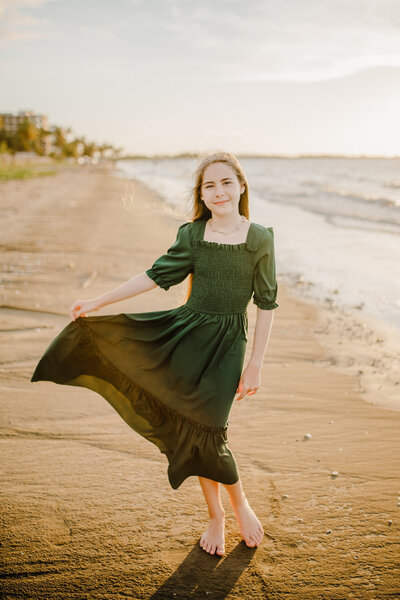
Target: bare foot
[213,540]
[250,527]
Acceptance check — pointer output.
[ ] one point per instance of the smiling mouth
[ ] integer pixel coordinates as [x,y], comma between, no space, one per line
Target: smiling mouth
[222,202]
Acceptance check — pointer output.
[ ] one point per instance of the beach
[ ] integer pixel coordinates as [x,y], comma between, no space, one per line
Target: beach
[87,508]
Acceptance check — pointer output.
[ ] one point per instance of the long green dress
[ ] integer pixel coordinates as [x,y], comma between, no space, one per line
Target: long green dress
[172,375]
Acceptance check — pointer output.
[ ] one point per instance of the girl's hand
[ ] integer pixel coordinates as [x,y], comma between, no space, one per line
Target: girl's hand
[249,381]
[80,308]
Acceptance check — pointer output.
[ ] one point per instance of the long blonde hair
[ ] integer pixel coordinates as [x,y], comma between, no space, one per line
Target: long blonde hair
[200,210]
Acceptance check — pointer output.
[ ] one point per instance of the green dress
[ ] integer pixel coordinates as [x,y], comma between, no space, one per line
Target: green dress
[172,375]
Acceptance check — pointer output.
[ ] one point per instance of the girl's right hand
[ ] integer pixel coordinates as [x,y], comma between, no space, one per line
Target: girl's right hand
[80,308]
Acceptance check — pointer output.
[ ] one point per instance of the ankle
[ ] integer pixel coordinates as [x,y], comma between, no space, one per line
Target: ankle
[218,515]
[240,502]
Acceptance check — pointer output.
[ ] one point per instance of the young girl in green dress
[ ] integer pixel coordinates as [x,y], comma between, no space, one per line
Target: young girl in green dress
[172,375]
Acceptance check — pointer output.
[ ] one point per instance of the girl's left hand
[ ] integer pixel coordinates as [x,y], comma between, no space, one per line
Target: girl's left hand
[249,381]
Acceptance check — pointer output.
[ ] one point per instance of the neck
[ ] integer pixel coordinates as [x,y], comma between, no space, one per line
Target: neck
[225,221]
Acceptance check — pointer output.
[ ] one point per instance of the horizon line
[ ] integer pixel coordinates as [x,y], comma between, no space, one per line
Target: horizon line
[258,155]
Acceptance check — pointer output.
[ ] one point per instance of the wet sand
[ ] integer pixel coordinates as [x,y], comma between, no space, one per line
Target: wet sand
[87,508]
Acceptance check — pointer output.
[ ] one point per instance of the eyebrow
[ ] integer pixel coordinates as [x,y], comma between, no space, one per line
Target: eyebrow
[224,179]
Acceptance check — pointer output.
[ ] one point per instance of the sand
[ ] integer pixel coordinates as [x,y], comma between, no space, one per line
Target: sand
[87,508]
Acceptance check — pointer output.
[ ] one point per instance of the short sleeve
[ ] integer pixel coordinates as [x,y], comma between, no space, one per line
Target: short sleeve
[265,286]
[174,266]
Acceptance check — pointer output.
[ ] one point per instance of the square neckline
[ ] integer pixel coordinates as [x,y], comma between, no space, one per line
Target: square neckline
[202,240]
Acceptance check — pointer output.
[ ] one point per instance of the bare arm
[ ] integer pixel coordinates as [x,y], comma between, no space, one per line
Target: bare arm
[262,332]
[251,376]
[134,286]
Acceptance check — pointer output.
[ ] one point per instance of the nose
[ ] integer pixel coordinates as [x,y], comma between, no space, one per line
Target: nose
[219,191]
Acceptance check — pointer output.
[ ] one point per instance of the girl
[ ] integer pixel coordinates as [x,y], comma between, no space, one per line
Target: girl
[172,375]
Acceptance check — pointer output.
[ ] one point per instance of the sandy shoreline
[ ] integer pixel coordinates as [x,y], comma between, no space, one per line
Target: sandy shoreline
[88,511]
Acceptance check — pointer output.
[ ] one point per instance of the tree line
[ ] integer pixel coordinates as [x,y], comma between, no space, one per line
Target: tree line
[56,142]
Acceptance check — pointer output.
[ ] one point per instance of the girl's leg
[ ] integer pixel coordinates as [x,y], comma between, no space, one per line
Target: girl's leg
[250,527]
[213,540]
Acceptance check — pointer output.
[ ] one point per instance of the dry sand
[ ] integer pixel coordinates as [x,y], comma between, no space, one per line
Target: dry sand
[87,508]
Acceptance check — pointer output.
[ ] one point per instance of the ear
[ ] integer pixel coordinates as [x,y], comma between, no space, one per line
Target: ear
[242,188]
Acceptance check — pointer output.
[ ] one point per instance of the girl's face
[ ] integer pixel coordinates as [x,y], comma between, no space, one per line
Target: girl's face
[221,189]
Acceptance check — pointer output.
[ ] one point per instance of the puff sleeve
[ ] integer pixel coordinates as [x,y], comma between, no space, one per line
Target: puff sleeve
[265,286]
[174,266]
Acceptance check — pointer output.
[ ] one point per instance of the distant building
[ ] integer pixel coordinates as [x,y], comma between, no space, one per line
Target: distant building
[11,121]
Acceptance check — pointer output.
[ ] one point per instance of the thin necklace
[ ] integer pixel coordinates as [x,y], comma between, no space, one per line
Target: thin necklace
[228,231]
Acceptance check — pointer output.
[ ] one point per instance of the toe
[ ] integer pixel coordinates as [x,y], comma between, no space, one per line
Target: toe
[220,550]
[254,540]
[212,549]
[249,542]
[258,537]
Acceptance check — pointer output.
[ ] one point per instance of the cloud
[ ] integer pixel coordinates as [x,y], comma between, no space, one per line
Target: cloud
[17,24]
[230,40]
[98,31]
[288,40]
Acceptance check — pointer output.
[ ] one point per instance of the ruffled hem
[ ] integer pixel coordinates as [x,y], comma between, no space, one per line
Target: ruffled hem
[157,278]
[230,247]
[190,447]
[265,305]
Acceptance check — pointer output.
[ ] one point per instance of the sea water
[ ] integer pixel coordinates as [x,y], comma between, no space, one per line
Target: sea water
[336,222]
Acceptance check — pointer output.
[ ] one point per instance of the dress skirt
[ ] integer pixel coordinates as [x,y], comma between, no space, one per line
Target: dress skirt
[171,375]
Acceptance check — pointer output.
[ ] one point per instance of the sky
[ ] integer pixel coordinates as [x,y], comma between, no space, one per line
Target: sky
[245,76]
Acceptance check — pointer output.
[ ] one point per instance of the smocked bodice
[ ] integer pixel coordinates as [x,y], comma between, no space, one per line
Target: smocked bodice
[224,275]
[222,278]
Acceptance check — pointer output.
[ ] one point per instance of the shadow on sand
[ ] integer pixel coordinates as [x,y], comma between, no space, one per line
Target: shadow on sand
[204,576]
